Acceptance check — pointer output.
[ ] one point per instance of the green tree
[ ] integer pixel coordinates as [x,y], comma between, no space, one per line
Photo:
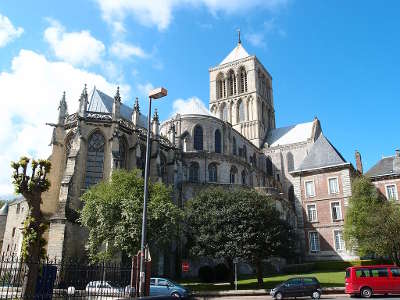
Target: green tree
[372,222]
[31,187]
[112,213]
[240,223]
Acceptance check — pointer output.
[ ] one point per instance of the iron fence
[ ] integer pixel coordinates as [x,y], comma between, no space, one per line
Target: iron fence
[60,279]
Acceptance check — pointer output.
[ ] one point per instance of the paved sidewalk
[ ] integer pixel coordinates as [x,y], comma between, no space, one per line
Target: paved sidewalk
[258,292]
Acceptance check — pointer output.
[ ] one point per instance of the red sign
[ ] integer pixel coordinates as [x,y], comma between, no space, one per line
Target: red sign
[185,266]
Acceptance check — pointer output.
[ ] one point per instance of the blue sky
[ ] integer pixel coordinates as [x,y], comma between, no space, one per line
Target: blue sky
[337,60]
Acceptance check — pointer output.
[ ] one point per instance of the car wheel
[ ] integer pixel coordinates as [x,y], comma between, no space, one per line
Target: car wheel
[175,294]
[366,292]
[278,296]
[316,295]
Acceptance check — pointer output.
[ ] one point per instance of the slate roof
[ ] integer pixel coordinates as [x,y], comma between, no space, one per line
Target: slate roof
[322,154]
[386,166]
[290,134]
[237,53]
[101,102]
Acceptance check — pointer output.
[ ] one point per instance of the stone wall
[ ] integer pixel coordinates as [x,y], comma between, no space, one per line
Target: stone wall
[12,241]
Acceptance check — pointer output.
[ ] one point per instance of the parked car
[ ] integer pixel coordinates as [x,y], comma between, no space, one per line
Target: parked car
[166,287]
[297,287]
[103,288]
[368,280]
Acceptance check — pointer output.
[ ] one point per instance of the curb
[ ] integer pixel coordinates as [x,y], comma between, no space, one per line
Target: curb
[260,292]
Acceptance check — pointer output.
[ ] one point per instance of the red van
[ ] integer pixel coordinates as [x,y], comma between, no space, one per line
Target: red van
[368,280]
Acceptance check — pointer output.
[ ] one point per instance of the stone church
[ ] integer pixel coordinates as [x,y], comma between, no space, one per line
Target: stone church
[238,143]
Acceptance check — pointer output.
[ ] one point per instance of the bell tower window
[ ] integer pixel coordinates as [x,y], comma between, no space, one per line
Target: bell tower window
[243,80]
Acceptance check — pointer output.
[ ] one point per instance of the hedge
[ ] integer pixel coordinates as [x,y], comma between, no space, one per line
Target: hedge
[334,265]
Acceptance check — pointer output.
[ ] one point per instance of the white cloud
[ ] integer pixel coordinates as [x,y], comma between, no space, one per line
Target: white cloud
[269,27]
[256,39]
[145,88]
[31,92]
[191,105]
[8,32]
[160,12]
[77,48]
[126,50]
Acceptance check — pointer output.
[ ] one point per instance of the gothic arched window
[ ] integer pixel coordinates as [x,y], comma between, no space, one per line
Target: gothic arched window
[244,175]
[217,141]
[212,172]
[240,115]
[233,174]
[194,172]
[122,154]
[232,83]
[243,80]
[290,161]
[245,152]
[234,147]
[269,166]
[220,86]
[95,159]
[198,138]
[163,168]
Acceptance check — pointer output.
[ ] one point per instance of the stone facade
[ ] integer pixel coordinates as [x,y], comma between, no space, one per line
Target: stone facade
[12,241]
[237,144]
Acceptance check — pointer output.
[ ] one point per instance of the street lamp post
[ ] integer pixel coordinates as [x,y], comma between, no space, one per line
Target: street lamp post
[154,94]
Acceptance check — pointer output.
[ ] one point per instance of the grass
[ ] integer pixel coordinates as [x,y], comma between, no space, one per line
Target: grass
[327,279]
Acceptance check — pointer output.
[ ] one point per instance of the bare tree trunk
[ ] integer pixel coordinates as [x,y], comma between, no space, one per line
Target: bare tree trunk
[259,272]
[396,257]
[29,285]
[231,277]
[33,261]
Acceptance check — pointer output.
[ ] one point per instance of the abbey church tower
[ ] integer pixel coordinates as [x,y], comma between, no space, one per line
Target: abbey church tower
[241,94]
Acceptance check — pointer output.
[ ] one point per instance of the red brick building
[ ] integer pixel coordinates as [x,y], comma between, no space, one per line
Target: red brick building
[385,175]
[323,188]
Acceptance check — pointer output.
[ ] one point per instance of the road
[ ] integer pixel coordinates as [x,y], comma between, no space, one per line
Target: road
[264,297]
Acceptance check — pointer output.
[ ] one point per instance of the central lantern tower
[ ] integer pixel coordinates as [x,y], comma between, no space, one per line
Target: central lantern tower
[241,94]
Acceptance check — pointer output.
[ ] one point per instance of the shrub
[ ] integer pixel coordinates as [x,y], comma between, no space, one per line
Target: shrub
[342,265]
[221,272]
[206,274]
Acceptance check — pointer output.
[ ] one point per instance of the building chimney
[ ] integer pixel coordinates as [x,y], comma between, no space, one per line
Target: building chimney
[396,161]
[359,162]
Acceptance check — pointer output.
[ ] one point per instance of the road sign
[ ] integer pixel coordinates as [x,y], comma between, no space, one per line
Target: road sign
[185,266]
